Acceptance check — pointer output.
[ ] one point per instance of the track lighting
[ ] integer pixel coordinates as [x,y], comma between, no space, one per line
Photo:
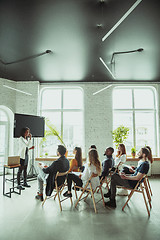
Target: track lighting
[130,51]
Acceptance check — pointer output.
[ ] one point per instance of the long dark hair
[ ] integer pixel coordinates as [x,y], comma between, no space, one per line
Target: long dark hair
[94,159]
[150,154]
[23,130]
[78,156]
[123,148]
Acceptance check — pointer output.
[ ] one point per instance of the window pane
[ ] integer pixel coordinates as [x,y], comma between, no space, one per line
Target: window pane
[51,99]
[49,147]
[73,130]
[143,98]
[3,145]
[3,116]
[2,139]
[125,119]
[145,131]
[70,121]
[73,99]
[122,99]
[54,118]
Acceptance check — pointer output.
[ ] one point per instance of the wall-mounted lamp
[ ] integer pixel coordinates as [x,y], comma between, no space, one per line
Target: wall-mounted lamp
[27,58]
[131,51]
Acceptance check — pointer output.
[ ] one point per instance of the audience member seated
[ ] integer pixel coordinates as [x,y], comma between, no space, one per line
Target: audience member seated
[108,162]
[76,162]
[48,173]
[131,169]
[93,147]
[120,163]
[120,157]
[149,157]
[93,166]
[128,181]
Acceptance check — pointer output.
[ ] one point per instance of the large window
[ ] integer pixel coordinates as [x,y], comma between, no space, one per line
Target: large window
[135,108]
[63,107]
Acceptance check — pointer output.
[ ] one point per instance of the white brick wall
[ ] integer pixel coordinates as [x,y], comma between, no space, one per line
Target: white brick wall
[7,96]
[25,103]
[98,117]
[97,109]
[19,102]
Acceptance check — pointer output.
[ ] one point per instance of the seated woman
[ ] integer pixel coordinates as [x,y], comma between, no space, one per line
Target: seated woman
[94,166]
[120,157]
[76,162]
[120,160]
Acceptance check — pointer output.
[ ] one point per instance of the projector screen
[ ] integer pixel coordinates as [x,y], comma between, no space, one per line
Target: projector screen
[34,123]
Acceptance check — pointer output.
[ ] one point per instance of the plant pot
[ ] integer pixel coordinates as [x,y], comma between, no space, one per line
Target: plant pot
[66,154]
[133,155]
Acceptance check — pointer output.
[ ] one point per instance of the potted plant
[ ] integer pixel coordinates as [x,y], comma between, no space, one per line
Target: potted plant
[46,154]
[120,134]
[133,152]
[51,131]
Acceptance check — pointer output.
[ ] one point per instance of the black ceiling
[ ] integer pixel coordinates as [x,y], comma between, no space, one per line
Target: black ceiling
[73,31]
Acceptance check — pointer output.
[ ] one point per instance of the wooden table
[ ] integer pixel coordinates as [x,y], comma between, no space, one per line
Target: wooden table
[39,159]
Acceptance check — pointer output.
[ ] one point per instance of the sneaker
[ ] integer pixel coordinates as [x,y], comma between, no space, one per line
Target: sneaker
[66,194]
[111,203]
[26,185]
[39,197]
[77,189]
[20,187]
[107,195]
[122,192]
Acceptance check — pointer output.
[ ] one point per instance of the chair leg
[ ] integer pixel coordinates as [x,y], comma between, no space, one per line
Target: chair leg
[58,196]
[87,195]
[129,197]
[44,200]
[71,200]
[55,195]
[80,196]
[107,183]
[102,195]
[147,193]
[75,190]
[94,203]
[145,201]
[149,186]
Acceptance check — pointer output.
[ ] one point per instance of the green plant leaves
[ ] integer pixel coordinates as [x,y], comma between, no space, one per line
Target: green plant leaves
[52,131]
[120,134]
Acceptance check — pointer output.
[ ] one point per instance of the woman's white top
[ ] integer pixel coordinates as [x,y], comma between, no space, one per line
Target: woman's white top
[87,174]
[122,160]
[23,143]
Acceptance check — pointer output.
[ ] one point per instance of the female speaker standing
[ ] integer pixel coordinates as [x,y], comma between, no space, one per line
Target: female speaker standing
[24,146]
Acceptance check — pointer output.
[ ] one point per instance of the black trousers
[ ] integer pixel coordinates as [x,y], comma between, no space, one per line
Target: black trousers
[73,177]
[24,169]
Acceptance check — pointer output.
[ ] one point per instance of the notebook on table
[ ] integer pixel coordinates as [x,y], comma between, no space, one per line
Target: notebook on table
[14,160]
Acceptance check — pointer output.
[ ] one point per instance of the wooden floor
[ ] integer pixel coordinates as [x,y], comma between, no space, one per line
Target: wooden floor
[23,218]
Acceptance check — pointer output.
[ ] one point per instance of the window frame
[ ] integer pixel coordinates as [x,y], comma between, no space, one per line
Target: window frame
[62,110]
[134,110]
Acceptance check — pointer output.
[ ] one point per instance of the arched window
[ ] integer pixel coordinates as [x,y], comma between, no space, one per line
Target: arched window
[3,138]
[64,108]
[135,107]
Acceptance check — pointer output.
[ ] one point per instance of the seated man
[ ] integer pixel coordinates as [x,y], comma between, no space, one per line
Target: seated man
[108,162]
[60,165]
[127,181]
